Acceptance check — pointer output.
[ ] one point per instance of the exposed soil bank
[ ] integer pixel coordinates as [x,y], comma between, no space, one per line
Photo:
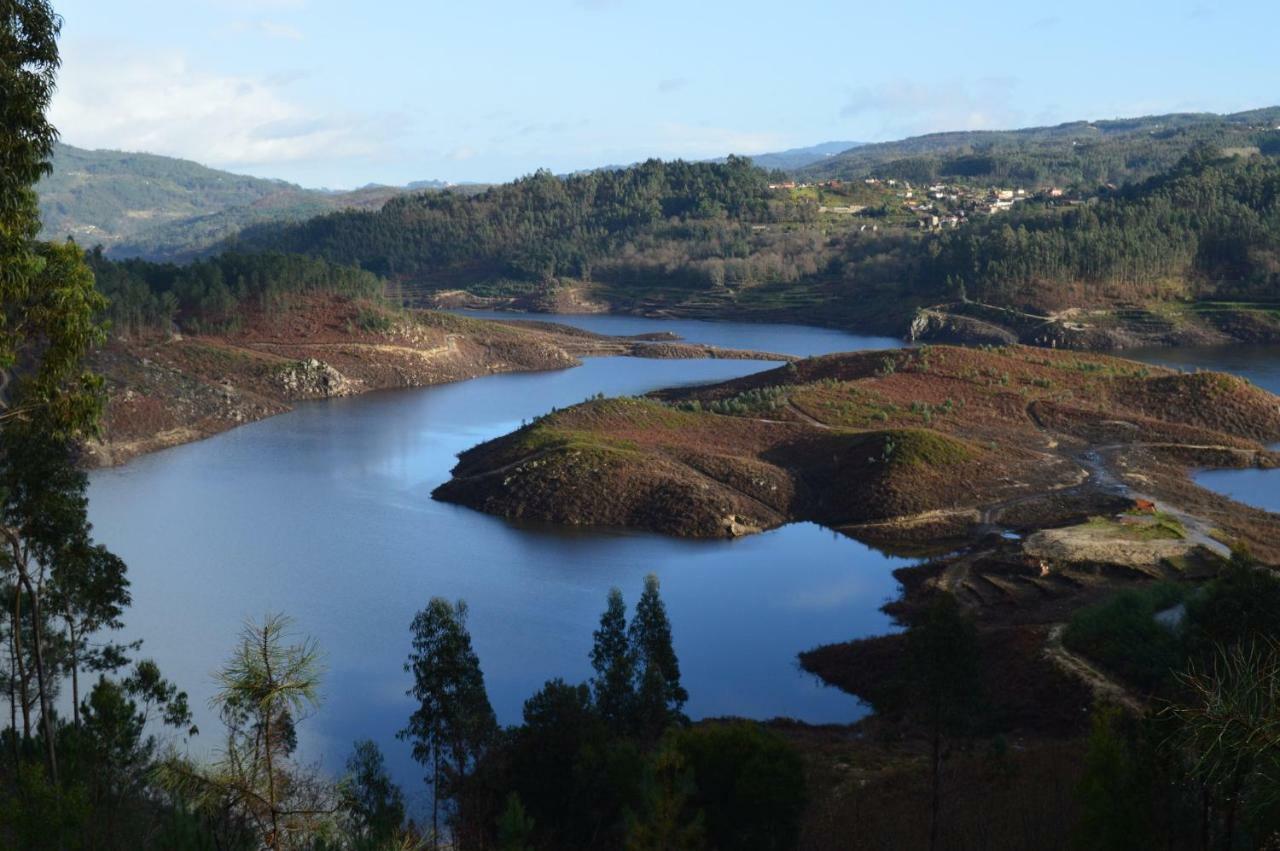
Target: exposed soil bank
[897,448]
[167,391]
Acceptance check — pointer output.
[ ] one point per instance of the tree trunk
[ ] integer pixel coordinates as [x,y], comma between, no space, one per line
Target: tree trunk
[1205,813]
[267,746]
[13,711]
[435,799]
[75,674]
[1228,839]
[21,665]
[46,709]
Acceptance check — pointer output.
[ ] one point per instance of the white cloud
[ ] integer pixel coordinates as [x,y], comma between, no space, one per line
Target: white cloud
[113,97]
[905,107]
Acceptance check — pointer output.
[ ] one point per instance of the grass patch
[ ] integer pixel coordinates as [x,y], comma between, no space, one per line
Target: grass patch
[1122,635]
[1145,527]
[918,447]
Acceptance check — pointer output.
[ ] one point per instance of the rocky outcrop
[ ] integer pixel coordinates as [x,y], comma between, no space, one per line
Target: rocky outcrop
[937,326]
[313,379]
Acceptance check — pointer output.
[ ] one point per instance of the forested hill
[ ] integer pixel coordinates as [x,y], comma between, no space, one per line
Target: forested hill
[1080,152]
[715,240]
[144,205]
[1208,228]
[543,227]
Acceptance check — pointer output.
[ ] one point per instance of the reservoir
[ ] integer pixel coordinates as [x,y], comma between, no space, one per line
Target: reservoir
[325,513]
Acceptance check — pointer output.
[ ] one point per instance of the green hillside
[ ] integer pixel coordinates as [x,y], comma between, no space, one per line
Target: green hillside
[1078,153]
[144,205]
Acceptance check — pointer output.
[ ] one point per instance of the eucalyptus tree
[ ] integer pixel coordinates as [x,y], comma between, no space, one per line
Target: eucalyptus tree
[48,321]
[375,803]
[48,304]
[89,592]
[454,722]
[943,684]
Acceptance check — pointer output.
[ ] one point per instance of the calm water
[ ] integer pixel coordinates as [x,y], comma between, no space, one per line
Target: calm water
[325,513]
[1259,364]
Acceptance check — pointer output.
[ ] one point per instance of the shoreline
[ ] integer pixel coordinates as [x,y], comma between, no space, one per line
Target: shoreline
[1101,330]
[166,392]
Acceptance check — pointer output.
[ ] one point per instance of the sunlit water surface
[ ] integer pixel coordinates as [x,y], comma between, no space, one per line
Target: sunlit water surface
[325,513]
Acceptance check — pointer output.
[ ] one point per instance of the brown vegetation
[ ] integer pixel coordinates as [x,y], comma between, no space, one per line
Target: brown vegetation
[919,442]
[166,390]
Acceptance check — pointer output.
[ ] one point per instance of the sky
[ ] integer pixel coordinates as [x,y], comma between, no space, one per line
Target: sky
[338,94]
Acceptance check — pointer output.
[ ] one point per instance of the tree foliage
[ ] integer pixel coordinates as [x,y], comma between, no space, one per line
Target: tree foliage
[211,295]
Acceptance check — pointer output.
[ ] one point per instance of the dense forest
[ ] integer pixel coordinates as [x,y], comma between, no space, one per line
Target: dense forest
[543,227]
[1206,227]
[208,295]
[1209,227]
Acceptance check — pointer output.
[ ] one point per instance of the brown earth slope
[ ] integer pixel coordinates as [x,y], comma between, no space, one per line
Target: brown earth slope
[933,443]
[171,390]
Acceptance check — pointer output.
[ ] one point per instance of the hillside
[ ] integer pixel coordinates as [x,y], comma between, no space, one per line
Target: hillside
[935,444]
[144,205]
[166,389]
[1080,152]
[796,158]
[1186,256]
[165,208]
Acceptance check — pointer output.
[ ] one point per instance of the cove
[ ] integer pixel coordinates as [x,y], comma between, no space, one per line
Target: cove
[1259,364]
[325,513]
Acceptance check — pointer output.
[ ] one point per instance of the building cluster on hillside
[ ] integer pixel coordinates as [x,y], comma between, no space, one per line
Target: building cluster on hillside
[944,205]
[939,205]
[791,184]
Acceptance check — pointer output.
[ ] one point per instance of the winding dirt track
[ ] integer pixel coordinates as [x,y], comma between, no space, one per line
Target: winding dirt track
[1105,689]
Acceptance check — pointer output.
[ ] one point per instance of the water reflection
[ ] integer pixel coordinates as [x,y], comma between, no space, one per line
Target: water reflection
[325,513]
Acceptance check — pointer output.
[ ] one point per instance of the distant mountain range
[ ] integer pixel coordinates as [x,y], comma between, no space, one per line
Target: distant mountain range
[794,158]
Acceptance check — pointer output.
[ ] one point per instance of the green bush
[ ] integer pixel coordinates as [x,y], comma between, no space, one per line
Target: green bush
[1122,635]
[1242,602]
[750,785]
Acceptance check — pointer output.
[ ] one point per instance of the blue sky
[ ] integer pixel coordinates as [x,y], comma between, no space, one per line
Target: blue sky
[329,93]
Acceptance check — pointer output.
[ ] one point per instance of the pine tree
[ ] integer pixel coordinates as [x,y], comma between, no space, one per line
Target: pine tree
[515,826]
[614,663]
[660,695]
